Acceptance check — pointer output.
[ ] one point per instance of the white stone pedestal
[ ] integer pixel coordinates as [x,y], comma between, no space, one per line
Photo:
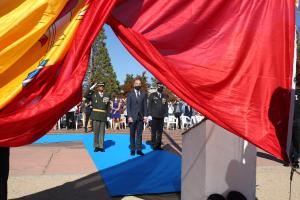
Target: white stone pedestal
[216,161]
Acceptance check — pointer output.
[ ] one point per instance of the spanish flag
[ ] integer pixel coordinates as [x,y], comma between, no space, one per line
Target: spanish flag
[44,51]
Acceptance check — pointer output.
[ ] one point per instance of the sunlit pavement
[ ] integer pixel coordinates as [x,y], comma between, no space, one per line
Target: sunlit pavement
[65,171]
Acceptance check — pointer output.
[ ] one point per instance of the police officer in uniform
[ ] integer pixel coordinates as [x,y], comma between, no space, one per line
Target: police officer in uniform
[157,110]
[101,105]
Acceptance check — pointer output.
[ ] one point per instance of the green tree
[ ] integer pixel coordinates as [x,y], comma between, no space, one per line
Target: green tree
[128,83]
[154,81]
[145,84]
[101,67]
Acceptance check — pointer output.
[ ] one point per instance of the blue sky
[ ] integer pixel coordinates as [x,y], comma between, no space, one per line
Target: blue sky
[122,61]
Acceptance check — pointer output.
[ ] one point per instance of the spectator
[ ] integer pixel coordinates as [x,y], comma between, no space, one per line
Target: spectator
[116,113]
[71,116]
[178,111]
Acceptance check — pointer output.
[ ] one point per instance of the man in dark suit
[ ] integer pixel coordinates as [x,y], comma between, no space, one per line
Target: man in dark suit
[101,106]
[137,115]
[157,110]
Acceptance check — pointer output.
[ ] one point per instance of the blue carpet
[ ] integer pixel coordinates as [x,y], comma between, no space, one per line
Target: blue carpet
[156,172]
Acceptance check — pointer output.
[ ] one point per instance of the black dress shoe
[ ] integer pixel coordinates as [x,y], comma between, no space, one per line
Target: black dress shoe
[140,153]
[158,148]
[96,149]
[101,149]
[132,153]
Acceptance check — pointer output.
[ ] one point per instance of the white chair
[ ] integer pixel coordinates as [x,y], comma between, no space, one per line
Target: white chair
[122,122]
[165,122]
[83,118]
[109,122]
[57,125]
[199,118]
[78,118]
[172,120]
[146,124]
[185,122]
[193,120]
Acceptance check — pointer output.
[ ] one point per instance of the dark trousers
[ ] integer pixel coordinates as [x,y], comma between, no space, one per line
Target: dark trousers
[157,125]
[4,171]
[70,116]
[87,118]
[177,115]
[136,130]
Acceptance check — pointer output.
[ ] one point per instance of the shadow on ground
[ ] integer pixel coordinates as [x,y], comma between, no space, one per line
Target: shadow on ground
[91,187]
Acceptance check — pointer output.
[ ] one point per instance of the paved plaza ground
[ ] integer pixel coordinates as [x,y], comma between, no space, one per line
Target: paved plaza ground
[58,171]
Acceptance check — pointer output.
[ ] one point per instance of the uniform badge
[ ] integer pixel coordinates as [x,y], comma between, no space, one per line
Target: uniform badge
[105,99]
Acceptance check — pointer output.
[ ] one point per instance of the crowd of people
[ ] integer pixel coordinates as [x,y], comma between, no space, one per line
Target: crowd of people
[117,117]
[99,110]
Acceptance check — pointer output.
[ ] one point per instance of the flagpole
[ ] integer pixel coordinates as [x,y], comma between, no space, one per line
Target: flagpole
[292,102]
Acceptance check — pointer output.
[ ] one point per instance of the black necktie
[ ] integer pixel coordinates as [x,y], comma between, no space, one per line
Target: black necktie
[138,94]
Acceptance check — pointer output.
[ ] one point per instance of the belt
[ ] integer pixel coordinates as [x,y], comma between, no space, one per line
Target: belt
[98,110]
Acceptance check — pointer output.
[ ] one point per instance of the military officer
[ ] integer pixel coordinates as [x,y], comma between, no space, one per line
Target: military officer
[157,110]
[101,105]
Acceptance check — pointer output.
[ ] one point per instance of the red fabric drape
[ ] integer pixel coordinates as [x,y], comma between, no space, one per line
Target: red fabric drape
[56,89]
[230,60]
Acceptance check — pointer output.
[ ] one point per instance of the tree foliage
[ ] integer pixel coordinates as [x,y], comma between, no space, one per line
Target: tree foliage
[128,83]
[101,67]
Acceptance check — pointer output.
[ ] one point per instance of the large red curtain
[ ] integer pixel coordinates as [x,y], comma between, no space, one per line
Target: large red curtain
[230,60]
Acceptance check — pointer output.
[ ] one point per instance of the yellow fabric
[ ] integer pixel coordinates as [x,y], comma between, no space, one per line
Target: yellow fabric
[31,32]
[98,110]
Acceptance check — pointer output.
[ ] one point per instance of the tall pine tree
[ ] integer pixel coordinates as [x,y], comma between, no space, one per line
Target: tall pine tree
[101,69]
